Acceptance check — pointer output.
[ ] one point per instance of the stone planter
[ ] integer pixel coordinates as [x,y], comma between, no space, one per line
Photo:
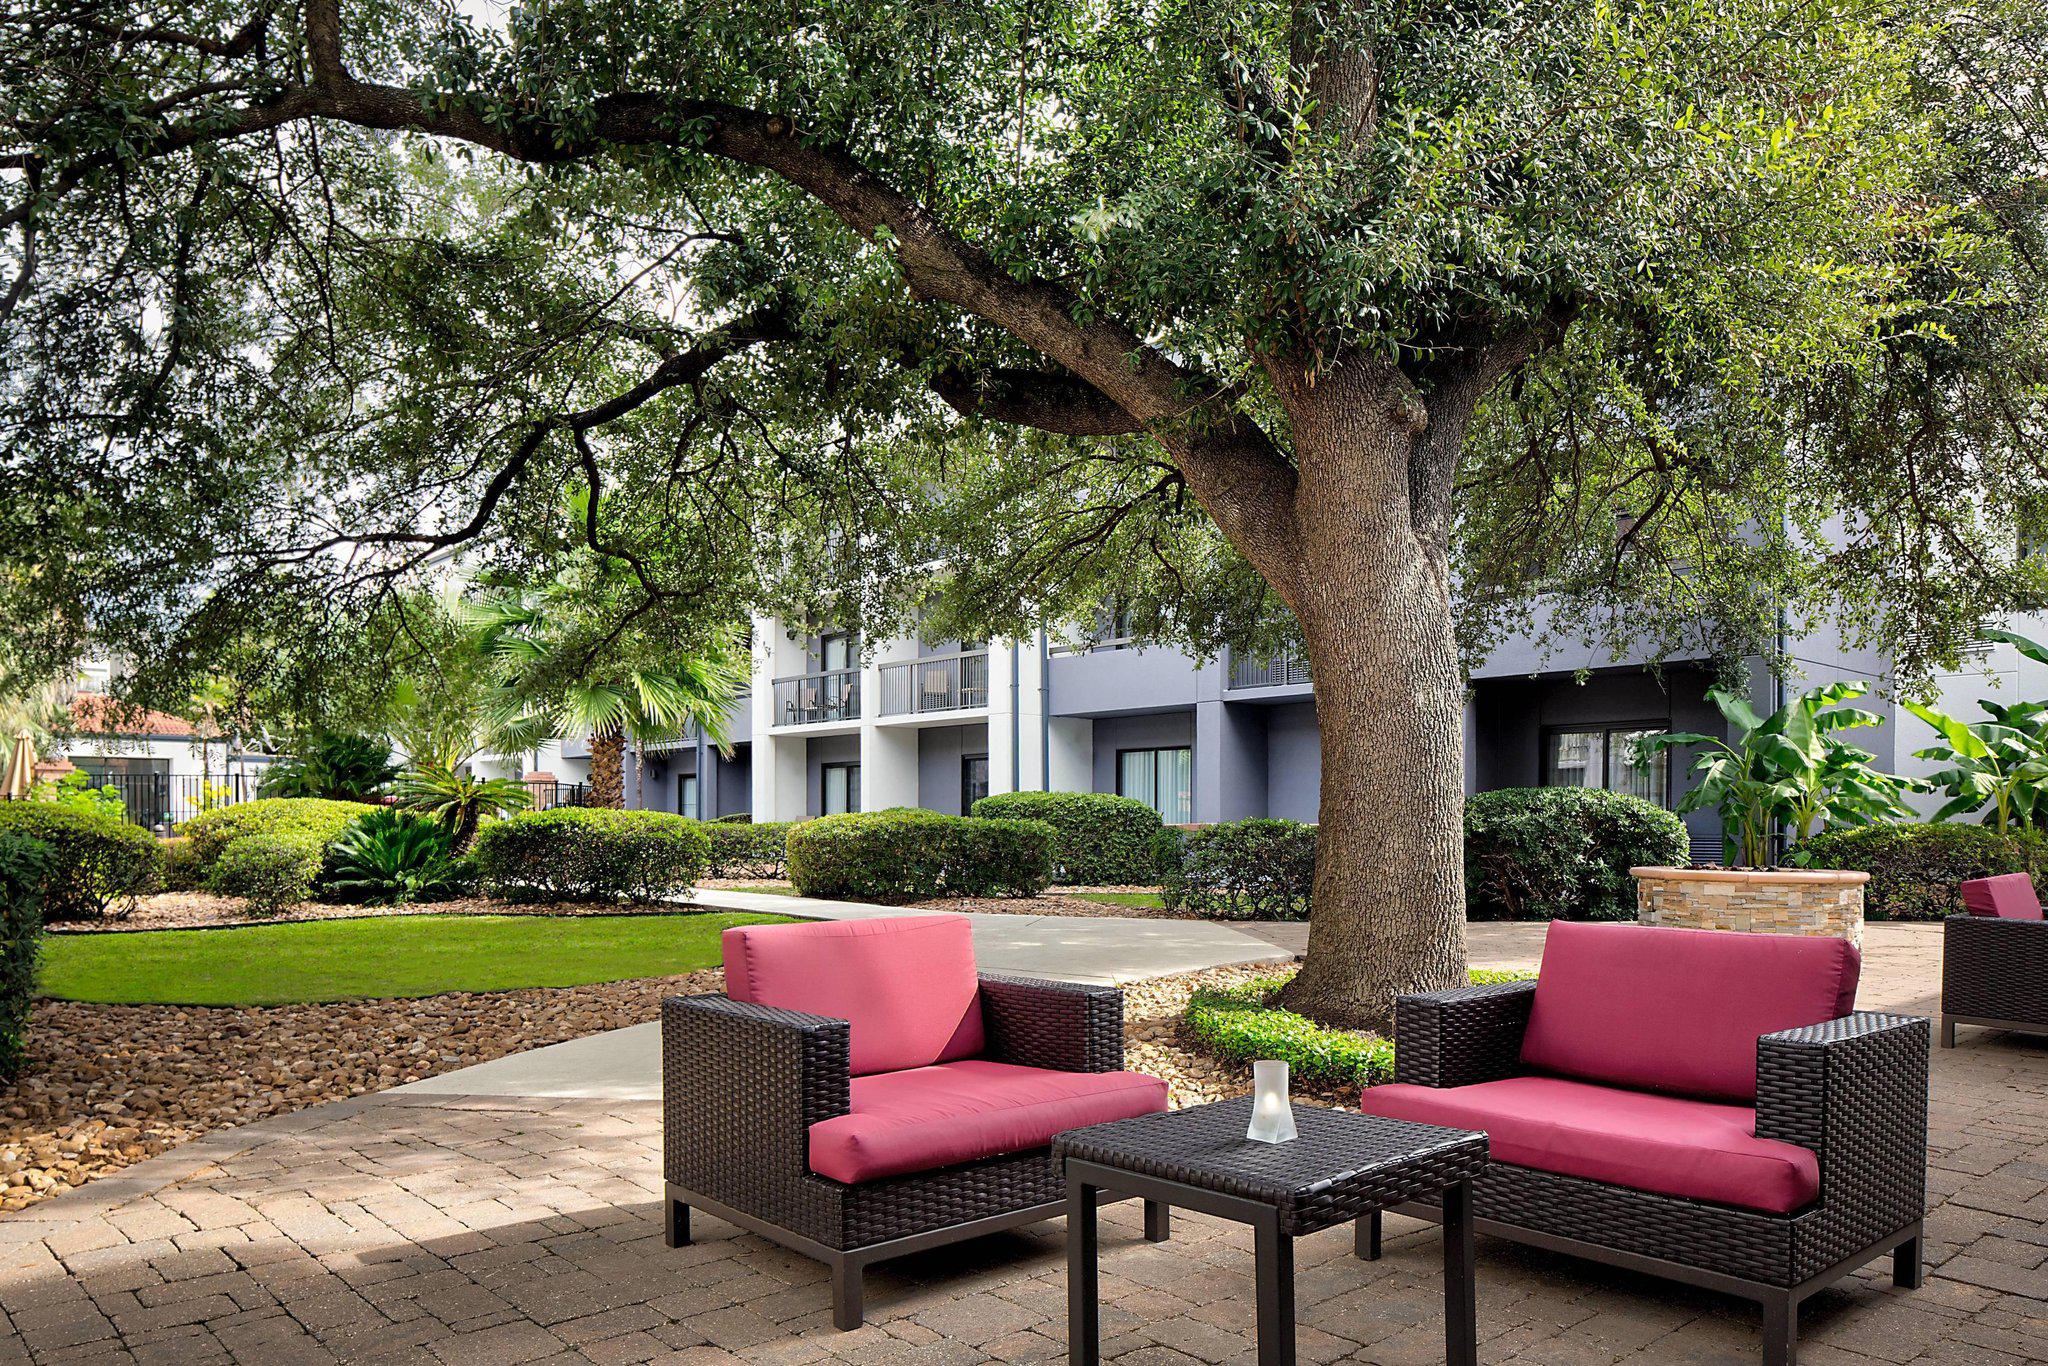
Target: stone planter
[1778,901]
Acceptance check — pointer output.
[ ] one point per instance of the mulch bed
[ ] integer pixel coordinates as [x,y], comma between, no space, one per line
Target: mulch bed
[109,1085]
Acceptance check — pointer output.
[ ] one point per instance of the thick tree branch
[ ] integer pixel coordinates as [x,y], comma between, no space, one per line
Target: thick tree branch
[1047,401]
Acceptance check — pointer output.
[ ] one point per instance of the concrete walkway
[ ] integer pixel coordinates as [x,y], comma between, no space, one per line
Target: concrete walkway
[625,1064]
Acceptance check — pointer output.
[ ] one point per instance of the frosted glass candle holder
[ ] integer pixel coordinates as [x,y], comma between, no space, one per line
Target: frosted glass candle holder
[1272,1116]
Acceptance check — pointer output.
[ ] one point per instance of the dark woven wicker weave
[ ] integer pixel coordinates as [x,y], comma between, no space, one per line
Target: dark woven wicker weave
[1854,1090]
[1341,1166]
[1995,971]
[742,1084]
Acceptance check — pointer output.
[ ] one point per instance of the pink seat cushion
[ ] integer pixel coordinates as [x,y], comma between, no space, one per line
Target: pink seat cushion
[905,983]
[1678,1010]
[2010,896]
[930,1117]
[1698,1149]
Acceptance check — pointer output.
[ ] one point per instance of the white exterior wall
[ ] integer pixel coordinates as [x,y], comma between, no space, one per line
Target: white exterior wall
[888,746]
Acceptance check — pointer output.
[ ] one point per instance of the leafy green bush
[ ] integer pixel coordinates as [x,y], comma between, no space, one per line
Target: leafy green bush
[294,818]
[1257,869]
[99,861]
[75,789]
[1562,853]
[1241,1024]
[1915,868]
[583,853]
[271,873]
[749,850]
[387,858]
[26,867]
[1097,838]
[332,766]
[183,871]
[912,855]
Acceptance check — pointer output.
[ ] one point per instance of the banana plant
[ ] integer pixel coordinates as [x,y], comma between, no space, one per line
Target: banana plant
[2001,763]
[1791,769]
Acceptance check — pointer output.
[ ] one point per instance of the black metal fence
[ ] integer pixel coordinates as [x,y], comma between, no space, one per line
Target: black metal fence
[547,795]
[158,801]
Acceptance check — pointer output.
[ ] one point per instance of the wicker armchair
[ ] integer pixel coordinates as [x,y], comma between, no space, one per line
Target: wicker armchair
[743,1084]
[1994,973]
[1853,1090]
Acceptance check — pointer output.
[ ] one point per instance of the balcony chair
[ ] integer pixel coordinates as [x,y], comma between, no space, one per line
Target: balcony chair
[861,1092]
[1994,960]
[1701,1105]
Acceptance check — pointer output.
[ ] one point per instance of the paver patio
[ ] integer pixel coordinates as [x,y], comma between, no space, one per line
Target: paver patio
[474,1230]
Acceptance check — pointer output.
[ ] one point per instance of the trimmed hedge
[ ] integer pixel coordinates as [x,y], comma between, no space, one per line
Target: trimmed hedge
[270,872]
[1916,868]
[98,861]
[290,818]
[749,850]
[1562,853]
[26,867]
[1257,869]
[183,872]
[1241,1024]
[1098,838]
[912,855]
[585,853]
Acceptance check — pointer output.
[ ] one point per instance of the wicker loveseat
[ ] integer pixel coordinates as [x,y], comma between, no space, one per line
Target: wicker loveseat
[862,1092]
[1994,961]
[1695,1104]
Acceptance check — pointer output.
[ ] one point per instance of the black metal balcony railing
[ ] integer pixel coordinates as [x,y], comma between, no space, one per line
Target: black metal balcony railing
[939,683]
[1281,671]
[547,796]
[808,699]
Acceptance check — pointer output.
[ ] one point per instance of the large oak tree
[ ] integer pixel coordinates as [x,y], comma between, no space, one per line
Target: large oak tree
[1255,318]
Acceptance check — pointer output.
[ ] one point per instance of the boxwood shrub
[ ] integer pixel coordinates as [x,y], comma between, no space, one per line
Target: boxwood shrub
[1915,868]
[749,850]
[291,818]
[1562,853]
[912,855]
[1241,1024]
[26,867]
[270,872]
[584,853]
[1257,869]
[99,862]
[1098,838]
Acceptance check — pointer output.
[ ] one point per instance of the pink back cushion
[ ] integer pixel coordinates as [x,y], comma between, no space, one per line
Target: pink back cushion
[2010,896]
[1678,1011]
[905,983]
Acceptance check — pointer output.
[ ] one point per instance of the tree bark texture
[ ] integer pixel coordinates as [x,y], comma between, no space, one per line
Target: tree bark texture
[1374,602]
[608,770]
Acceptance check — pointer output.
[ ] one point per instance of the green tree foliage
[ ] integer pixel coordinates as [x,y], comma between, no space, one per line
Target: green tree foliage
[1688,313]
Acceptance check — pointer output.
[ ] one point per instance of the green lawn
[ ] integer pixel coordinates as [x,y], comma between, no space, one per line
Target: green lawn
[1149,899]
[335,960]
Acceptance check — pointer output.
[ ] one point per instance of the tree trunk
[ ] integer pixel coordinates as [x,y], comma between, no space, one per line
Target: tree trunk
[607,770]
[1373,597]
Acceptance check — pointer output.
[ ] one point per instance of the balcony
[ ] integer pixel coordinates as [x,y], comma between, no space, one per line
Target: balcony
[1281,671]
[814,699]
[957,682]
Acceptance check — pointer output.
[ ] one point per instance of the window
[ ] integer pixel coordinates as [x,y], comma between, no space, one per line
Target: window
[835,651]
[1163,779]
[686,795]
[973,781]
[1608,757]
[841,783]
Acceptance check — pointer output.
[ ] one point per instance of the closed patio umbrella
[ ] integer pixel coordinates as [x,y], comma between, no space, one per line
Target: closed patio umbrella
[21,769]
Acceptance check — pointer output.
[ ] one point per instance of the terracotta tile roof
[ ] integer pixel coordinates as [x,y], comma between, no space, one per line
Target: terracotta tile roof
[94,714]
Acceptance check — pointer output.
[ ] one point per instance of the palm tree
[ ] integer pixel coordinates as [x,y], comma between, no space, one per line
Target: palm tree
[550,682]
[458,800]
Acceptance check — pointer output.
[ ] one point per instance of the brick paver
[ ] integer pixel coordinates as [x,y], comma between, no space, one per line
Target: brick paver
[479,1231]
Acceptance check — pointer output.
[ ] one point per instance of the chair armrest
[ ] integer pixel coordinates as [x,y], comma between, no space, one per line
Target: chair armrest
[1463,1036]
[741,1086]
[1855,1091]
[1995,968]
[1065,1026]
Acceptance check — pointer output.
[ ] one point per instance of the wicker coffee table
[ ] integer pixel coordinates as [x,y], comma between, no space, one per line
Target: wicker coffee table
[1343,1167]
